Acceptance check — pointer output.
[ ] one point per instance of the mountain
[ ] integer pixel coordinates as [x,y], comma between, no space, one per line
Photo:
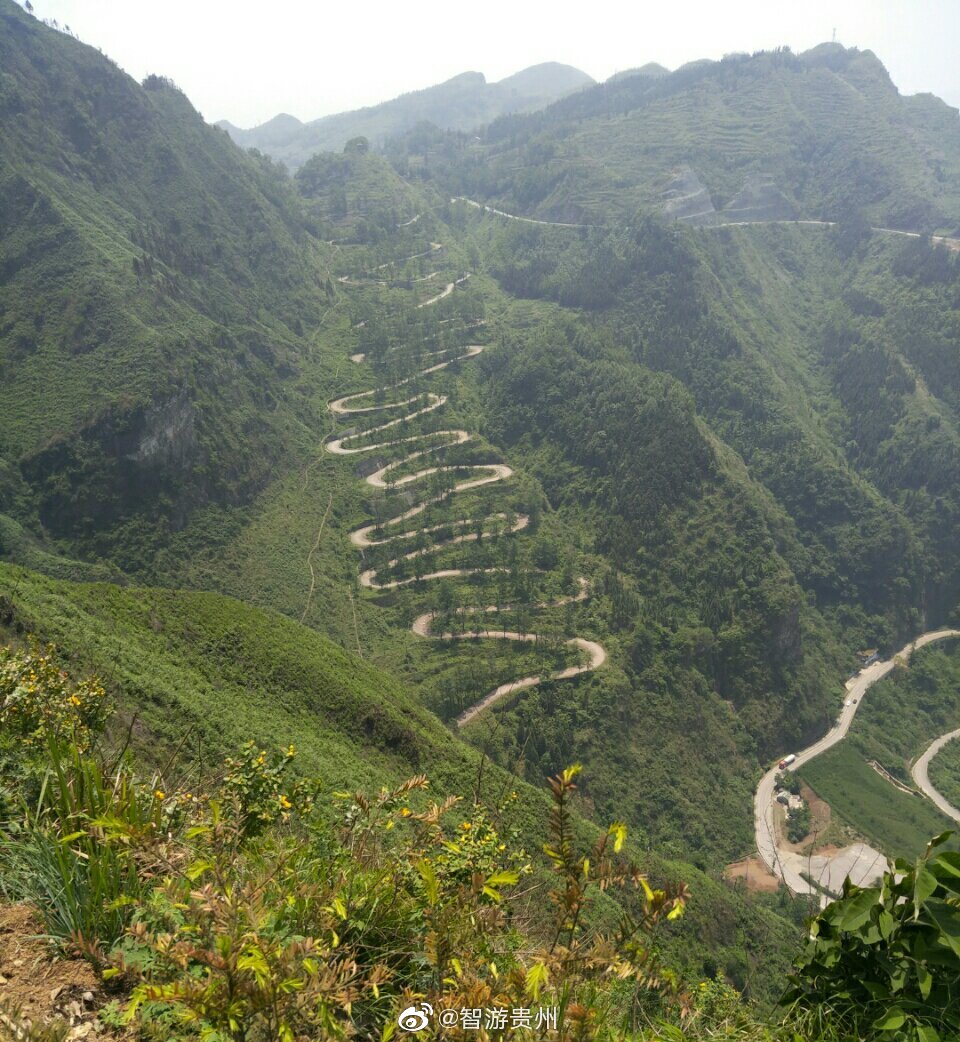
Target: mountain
[465,101]
[156,289]
[338,460]
[825,133]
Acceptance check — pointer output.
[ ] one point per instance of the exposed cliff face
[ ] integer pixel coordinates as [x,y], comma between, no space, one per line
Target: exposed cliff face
[168,434]
[759,200]
[686,199]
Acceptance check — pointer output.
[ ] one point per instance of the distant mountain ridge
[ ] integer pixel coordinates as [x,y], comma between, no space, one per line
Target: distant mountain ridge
[775,134]
[460,103]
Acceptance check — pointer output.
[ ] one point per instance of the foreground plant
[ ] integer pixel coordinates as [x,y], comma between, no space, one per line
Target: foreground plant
[884,962]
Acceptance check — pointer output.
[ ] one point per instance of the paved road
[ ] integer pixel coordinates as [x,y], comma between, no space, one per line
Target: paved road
[944,240]
[783,863]
[919,772]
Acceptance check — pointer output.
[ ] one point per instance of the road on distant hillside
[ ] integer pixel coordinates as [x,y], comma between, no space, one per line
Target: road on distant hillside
[919,772]
[942,240]
[785,864]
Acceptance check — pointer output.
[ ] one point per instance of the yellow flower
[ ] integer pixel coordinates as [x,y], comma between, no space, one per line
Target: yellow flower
[291,751]
[466,826]
[159,794]
[285,803]
[75,700]
[405,813]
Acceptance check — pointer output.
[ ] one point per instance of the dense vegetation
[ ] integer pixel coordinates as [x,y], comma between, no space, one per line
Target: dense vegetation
[730,456]
[193,676]
[826,130]
[247,903]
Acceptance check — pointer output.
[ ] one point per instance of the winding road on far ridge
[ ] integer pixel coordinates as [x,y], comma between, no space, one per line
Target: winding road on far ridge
[951,243]
[861,862]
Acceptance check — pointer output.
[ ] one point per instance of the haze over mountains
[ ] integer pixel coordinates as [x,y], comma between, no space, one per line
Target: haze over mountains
[461,103]
[368,455]
[772,135]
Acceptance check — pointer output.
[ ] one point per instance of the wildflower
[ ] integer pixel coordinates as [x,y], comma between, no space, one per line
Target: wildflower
[405,813]
[159,794]
[285,803]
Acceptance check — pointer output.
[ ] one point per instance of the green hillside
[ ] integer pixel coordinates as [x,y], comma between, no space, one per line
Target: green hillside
[158,290]
[192,676]
[814,135]
[901,715]
[336,460]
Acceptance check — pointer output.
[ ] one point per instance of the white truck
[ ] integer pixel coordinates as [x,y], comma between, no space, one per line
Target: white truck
[786,761]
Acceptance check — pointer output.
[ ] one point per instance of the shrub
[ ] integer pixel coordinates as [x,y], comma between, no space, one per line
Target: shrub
[38,700]
[76,853]
[331,929]
[884,961]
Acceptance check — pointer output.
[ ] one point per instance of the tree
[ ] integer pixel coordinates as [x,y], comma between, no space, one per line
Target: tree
[356,146]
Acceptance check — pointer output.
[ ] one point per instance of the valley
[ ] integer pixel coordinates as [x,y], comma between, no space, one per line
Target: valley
[862,864]
[422,528]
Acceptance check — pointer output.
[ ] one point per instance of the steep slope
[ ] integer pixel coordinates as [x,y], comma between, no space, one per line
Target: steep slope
[827,367]
[465,101]
[193,675]
[156,288]
[739,444]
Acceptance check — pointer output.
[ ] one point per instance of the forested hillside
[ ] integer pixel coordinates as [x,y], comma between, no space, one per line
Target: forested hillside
[157,290]
[817,135]
[342,460]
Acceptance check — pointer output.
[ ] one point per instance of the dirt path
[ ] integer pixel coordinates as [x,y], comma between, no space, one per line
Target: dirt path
[313,550]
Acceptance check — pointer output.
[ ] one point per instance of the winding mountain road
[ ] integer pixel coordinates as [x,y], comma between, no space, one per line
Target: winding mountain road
[596,654]
[788,865]
[487,473]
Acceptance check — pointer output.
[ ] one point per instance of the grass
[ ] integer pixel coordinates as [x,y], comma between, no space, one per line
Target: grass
[896,823]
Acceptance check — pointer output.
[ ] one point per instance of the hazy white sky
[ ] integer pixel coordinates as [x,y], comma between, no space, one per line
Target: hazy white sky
[247,61]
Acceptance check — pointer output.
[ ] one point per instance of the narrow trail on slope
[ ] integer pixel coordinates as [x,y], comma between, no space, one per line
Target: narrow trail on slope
[483,474]
[313,550]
